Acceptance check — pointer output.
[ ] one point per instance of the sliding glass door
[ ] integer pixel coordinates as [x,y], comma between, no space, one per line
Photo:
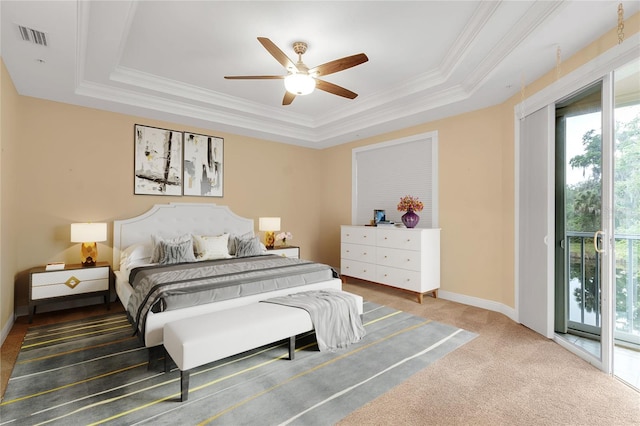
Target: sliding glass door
[626,224]
[597,221]
[579,213]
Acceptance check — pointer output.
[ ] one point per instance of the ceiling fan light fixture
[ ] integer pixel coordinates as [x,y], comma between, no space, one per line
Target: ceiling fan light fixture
[299,84]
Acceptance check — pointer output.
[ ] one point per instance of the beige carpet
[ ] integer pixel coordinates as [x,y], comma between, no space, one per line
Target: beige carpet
[508,375]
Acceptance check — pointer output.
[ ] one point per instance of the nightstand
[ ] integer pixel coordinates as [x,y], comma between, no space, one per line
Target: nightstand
[72,282]
[286,251]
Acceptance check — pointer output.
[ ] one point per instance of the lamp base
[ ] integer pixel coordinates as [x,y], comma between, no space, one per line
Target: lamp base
[269,239]
[89,254]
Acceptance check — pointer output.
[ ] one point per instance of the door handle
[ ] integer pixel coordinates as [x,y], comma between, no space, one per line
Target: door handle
[595,241]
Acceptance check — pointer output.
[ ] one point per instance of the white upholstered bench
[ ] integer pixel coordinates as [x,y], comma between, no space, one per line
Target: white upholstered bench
[192,342]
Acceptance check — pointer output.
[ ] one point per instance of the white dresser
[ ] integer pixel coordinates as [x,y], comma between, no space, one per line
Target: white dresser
[399,257]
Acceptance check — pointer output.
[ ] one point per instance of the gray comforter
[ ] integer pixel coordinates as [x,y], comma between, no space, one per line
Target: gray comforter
[334,316]
[168,287]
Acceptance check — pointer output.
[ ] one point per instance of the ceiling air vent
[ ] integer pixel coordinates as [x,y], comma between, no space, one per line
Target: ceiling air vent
[33,36]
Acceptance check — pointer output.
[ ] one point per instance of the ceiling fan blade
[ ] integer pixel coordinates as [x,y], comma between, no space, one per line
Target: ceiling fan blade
[278,54]
[339,65]
[288,98]
[335,89]
[254,77]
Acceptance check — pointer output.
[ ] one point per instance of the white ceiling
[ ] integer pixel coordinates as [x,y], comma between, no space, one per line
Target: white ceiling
[166,59]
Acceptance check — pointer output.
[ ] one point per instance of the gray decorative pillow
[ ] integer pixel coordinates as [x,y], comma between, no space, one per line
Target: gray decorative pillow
[176,252]
[248,247]
[157,253]
[234,241]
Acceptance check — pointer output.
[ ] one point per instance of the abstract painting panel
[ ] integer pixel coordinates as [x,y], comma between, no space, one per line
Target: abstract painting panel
[203,168]
[158,161]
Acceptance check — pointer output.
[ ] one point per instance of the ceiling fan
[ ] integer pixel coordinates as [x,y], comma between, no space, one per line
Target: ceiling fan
[301,80]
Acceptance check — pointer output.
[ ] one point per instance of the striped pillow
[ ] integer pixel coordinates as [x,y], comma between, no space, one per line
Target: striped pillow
[176,252]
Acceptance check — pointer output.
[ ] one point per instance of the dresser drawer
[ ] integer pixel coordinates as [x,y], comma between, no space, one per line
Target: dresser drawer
[358,235]
[69,282]
[396,258]
[399,238]
[362,270]
[402,278]
[358,252]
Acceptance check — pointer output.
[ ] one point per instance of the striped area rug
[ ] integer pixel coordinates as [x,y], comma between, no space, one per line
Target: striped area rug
[94,372]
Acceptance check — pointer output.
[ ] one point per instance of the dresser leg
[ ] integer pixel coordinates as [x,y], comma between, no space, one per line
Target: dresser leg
[420,295]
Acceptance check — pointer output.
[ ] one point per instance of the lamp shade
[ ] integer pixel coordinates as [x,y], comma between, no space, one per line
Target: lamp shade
[88,232]
[299,84]
[269,224]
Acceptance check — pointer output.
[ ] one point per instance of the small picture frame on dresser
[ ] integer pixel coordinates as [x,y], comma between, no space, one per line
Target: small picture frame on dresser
[379,216]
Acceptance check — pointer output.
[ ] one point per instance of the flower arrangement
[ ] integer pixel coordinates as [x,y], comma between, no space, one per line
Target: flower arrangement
[283,237]
[409,202]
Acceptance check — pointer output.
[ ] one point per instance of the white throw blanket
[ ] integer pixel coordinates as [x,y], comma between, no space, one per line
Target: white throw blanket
[334,316]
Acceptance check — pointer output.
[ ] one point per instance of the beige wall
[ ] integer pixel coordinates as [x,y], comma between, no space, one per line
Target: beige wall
[472,205]
[8,135]
[62,163]
[75,164]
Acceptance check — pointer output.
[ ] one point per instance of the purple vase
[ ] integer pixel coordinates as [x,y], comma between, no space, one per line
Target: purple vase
[410,219]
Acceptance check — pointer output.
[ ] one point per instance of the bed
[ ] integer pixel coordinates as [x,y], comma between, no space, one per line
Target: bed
[177,219]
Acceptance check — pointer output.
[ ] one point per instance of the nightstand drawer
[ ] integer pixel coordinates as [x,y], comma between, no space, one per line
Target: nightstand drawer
[57,290]
[72,282]
[286,251]
[60,277]
[69,282]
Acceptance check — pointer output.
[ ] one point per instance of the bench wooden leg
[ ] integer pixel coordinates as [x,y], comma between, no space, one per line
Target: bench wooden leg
[292,347]
[167,361]
[184,385]
[155,353]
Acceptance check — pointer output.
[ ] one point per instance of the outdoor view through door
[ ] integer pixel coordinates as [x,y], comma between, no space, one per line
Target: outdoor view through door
[582,215]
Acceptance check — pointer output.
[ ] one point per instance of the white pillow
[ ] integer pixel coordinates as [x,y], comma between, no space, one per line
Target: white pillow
[210,247]
[157,252]
[138,253]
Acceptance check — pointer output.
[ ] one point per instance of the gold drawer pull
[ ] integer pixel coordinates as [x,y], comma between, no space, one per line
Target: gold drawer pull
[72,282]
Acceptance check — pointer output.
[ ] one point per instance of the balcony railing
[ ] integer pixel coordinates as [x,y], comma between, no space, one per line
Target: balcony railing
[585,285]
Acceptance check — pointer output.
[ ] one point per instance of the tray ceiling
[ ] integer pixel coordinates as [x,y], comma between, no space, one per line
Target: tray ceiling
[166,59]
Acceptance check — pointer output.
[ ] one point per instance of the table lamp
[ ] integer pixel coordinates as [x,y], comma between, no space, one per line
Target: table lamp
[88,234]
[269,225]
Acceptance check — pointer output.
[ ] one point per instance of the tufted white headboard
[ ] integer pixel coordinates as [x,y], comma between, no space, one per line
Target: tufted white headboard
[174,219]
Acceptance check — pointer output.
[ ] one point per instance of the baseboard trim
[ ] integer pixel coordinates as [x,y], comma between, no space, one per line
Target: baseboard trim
[7,327]
[479,303]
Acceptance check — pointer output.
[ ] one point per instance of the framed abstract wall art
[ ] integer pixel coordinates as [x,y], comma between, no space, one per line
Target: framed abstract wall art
[158,161]
[203,165]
